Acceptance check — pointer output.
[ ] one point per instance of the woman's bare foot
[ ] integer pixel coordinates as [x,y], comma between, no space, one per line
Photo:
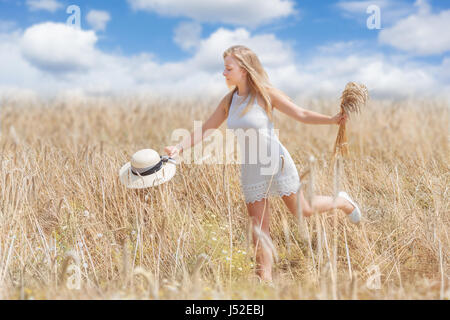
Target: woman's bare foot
[345,205]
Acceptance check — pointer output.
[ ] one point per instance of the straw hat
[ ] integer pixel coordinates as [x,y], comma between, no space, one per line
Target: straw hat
[147,169]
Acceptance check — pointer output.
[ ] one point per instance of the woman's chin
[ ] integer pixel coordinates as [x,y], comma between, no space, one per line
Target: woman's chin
[229,84]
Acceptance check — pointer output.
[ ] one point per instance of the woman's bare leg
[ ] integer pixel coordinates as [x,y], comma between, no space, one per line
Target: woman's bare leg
[319,203]
[259,213]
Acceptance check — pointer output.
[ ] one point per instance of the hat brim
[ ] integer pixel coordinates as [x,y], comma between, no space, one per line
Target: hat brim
[132,181]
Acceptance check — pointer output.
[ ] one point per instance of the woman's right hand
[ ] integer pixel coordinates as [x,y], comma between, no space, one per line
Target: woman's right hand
[339,118]
[172,151]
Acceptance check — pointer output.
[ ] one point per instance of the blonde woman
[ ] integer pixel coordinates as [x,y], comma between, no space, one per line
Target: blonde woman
[250,105]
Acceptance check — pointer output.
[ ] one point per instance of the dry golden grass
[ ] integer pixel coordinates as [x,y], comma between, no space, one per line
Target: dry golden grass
[62,205]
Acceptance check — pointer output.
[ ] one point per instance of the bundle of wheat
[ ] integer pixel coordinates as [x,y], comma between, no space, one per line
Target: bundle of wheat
[353,98]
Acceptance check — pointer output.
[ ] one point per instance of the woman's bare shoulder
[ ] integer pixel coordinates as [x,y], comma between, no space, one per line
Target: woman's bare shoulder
[274,93]
[277,96]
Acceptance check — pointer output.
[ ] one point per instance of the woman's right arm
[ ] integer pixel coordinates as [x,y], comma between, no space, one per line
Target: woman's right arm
[213,122]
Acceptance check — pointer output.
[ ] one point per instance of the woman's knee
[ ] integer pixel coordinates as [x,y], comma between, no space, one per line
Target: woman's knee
[291,202]
[258,207]
[259,214]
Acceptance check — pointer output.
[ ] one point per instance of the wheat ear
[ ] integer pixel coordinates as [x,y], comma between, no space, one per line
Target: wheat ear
[353,98]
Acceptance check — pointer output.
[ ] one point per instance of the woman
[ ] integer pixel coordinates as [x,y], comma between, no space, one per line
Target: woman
[249,105]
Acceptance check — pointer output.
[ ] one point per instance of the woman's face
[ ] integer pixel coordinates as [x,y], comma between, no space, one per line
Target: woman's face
[233,73]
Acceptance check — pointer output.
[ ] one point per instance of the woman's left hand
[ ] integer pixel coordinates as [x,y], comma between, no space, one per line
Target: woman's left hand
[339,118]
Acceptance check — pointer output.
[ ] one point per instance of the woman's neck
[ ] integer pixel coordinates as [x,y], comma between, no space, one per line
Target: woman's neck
[243,90]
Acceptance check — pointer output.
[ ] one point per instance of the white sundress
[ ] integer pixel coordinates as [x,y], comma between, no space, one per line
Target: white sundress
[261,178]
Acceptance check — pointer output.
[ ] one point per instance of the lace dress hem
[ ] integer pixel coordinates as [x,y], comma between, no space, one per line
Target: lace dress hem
[280,187]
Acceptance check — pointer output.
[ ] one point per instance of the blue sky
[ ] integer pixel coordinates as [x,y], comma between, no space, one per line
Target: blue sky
[311,36]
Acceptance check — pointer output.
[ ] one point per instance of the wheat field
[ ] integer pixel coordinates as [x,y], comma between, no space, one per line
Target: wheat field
[70,230]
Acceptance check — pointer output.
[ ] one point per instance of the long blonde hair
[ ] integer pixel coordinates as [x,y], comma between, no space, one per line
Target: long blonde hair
[257,79]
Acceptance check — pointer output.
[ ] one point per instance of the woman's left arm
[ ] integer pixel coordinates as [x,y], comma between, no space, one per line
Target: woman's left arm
[303,115]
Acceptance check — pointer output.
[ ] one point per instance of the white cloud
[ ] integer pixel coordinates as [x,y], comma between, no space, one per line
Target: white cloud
[98,19]
[385,77]
[47,57]
[239,12]
[423,33]
[47,5]
[423,6]
[16,71]
[271,51]
[187,34]
[59,48]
